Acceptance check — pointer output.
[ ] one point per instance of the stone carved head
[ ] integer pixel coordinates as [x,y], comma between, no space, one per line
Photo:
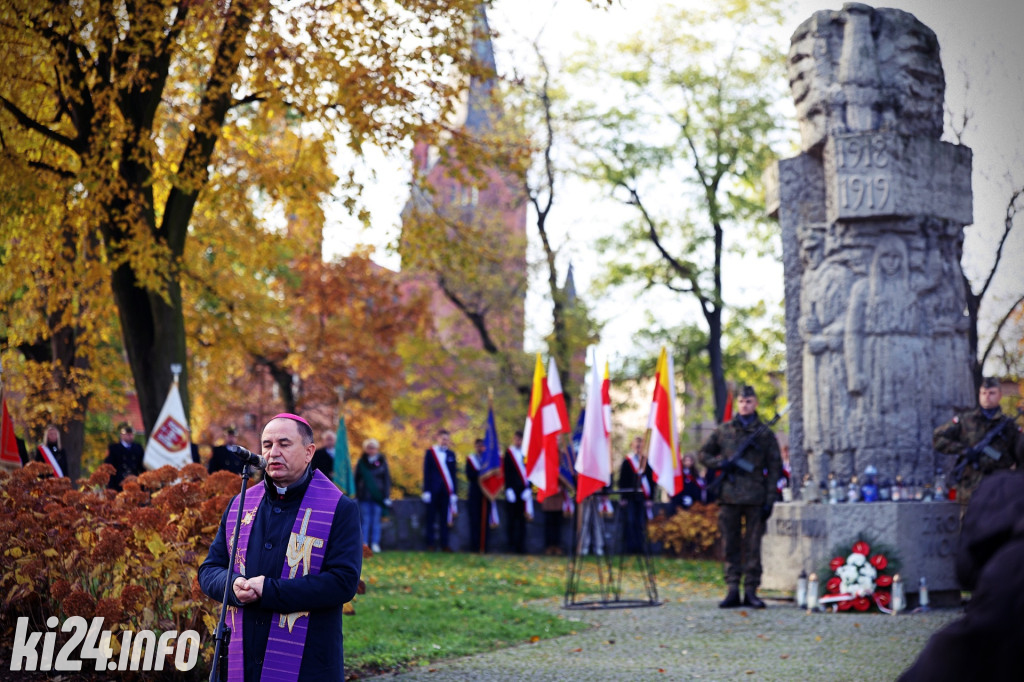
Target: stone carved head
[812,247]
[890,259]
[863,68]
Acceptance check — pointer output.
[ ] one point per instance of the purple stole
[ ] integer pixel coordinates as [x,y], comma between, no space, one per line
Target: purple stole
[305,554]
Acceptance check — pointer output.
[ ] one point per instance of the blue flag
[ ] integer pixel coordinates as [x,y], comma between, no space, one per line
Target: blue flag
[492,477]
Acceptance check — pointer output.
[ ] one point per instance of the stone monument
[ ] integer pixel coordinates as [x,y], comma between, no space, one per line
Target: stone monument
[872,214]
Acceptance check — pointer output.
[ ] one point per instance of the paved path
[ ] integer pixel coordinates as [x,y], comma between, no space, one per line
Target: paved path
[690,638]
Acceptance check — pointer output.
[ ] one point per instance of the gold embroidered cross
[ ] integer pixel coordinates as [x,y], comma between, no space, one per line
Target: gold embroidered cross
[300,547]
[290,618]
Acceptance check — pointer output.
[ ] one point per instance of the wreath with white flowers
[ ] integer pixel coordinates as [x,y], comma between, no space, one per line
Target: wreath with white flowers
[860,580]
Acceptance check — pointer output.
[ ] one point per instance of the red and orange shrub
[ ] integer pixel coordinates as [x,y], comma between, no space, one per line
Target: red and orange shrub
[130,557]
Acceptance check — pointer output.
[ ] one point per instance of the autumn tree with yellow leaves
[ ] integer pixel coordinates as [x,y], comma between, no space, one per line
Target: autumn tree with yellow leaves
[144,144]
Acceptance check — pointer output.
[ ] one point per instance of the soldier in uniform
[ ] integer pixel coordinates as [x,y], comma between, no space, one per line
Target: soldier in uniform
[968,429]
[746,497]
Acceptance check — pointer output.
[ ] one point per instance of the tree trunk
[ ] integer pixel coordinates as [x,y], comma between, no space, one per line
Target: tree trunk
[153,330]
[714,320]
[64,347]
[286,385]
[973,307]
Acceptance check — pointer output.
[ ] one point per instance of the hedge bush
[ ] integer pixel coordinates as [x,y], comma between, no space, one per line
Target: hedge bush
[130,557]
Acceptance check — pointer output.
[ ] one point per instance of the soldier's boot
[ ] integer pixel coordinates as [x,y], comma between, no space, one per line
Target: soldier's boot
[732,599]
[750,598]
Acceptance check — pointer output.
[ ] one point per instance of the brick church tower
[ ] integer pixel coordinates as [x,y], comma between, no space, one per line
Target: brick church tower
[464,226]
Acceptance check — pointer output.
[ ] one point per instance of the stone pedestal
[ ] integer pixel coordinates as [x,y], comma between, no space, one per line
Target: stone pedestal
[802,536]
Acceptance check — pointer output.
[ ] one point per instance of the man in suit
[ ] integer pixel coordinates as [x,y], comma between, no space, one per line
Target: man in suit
[323,458]
[477,504]
[125,456]
[637,477]
[223,457]
[517,494]
[440,490]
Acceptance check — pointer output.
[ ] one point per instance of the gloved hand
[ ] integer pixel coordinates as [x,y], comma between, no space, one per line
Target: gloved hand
[766,511]
[453,500]
[527,494]
[425,497]
[387,502]
[510,495]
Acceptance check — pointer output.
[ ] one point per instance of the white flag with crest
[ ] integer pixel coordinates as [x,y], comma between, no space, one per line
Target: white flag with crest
[170,442]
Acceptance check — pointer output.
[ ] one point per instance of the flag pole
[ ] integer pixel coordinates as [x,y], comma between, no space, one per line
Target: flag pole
[483,495]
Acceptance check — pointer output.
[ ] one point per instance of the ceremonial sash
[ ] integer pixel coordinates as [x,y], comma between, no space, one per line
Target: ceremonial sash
[50,459]
[644,483]
[517,457]
[453,508]
[307,545]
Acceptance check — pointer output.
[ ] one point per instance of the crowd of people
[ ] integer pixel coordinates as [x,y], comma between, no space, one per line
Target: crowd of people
[301,540]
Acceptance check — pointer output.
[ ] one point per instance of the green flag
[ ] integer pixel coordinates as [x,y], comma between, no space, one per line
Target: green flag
[343,477]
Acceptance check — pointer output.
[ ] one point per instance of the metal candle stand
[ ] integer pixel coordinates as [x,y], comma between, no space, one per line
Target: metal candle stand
[609,575]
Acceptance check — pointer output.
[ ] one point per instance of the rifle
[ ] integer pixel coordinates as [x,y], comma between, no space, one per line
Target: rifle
[737,461]
[972,455]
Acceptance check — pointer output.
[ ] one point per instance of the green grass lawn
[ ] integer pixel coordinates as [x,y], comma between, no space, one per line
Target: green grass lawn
[421,607]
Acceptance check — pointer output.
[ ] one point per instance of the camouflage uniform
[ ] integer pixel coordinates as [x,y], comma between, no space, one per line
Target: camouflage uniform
[744,496]
[963,432]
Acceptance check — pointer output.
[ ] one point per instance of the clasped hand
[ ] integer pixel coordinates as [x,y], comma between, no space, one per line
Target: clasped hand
[248,590]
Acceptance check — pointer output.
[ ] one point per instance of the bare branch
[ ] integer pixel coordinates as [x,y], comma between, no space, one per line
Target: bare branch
[684,270]
[478,318]
[1011,213]
[31,124]
[64,173]
[999,328]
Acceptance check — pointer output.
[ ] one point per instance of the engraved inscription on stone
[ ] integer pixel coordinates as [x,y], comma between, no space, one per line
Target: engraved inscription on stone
[863,176]
[794,528]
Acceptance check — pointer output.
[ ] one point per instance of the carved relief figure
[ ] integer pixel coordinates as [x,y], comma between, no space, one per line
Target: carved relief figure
[885,362]
[951,381]
[823,302]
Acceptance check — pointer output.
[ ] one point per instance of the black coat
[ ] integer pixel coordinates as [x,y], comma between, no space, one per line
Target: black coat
[986,643]
[381,474]
[513,477]
[127,461]
[629,480]
[59,454]
[433,479]
[323,595]
[222,459]
[323,461]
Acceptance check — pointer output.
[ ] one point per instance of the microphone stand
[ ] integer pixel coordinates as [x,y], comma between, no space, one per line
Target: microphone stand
[219,669]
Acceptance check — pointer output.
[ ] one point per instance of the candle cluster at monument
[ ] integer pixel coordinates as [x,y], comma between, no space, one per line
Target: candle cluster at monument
[871,487]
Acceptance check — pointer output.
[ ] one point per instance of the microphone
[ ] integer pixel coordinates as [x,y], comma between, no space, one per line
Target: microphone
[250,458]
